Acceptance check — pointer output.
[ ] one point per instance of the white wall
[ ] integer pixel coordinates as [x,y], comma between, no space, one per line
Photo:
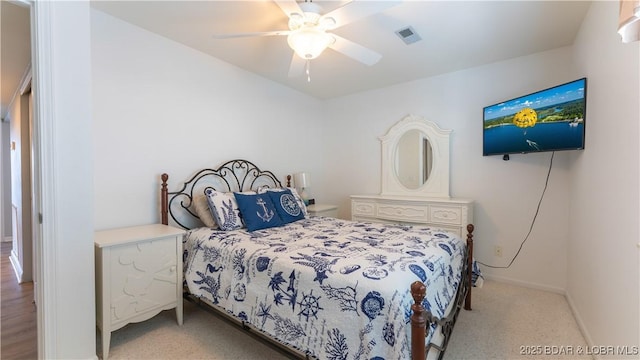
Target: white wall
[506,193]
[159,106]
[603,258]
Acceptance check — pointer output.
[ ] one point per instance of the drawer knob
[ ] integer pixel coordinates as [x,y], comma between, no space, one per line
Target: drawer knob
[172,269]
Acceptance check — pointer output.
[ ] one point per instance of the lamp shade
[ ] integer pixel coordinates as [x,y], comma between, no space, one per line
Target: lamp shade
[309,42]
[629,20]
[302,180]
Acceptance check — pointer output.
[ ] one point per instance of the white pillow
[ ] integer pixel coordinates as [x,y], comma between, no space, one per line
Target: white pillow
[300,201]
[225,209]
[201,207]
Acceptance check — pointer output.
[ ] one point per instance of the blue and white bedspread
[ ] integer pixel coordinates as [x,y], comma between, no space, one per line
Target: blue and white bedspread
[333,288]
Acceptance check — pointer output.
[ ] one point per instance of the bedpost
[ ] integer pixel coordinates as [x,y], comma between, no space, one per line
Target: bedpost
[164,195]
[288,180]
[467,300]
[418,322]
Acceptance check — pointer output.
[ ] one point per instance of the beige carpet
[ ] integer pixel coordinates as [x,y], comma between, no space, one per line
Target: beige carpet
[505,320]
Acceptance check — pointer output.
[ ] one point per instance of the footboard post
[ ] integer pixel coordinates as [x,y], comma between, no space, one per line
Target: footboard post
[164,195]
[467,300]
[418,322]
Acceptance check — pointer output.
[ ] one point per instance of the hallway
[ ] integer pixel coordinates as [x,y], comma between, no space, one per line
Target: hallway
[18,322]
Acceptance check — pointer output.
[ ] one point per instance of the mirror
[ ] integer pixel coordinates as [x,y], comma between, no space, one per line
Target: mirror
[415,159]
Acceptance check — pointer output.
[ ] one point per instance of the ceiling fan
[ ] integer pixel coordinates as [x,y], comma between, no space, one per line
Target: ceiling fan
[309,35]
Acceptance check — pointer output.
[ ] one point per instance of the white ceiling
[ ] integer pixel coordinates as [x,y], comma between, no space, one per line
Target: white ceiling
[455,35]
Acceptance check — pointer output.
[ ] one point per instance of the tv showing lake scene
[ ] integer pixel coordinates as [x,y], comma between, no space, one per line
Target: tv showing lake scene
[547,120]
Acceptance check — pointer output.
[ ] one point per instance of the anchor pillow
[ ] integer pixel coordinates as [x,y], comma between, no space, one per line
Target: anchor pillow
[258,211]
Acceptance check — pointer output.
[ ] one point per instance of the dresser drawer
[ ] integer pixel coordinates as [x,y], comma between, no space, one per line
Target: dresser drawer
[363,208]
[445,214]
[411,213]
[449,229]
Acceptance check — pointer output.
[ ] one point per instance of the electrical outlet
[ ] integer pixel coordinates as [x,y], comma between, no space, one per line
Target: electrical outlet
[497,251]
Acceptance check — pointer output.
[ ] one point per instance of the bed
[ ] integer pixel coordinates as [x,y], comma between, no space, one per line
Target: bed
[321,287]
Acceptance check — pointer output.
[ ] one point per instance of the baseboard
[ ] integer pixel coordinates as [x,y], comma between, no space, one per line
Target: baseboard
[17,268]
[581,326]
[525,284]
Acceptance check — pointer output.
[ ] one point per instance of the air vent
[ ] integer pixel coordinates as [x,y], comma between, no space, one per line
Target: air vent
[408,35]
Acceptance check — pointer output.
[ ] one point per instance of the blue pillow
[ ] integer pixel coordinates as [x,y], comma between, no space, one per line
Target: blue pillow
[286,206]
[257,211]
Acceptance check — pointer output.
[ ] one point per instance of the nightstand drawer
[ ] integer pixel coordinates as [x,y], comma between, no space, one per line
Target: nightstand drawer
[143,277]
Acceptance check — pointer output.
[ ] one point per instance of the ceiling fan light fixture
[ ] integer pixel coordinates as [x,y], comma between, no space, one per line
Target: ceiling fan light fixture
[295,21]
[327,23]
[308,42]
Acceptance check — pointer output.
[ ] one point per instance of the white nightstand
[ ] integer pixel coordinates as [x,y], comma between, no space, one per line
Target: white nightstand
[323,210]
[138,275]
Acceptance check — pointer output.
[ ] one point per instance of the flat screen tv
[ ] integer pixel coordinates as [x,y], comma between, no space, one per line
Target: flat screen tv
[547,120]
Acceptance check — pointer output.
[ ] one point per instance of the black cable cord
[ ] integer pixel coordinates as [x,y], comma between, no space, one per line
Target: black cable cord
[535,216]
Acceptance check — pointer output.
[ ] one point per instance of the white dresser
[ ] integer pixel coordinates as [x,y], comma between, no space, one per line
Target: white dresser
[452,215]
[415,181]
[138,274]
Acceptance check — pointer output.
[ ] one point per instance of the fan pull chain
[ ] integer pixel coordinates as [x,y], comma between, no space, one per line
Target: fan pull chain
[307,71]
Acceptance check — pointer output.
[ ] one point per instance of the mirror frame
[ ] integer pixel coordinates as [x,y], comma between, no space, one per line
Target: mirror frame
[437,185]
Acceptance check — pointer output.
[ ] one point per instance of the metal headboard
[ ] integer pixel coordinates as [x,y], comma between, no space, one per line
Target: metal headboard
[234,175]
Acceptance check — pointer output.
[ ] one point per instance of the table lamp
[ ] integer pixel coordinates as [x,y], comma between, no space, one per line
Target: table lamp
[303,181]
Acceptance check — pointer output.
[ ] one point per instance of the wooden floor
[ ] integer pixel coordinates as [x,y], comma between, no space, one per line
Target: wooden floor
[18,339]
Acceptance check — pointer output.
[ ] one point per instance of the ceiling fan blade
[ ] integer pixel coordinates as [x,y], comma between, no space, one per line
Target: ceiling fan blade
[251,34]
[356,10]
[355,51]
[289,7]
[296,68]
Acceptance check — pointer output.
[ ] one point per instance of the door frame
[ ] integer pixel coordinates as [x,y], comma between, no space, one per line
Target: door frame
[62,110]
[43,181]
